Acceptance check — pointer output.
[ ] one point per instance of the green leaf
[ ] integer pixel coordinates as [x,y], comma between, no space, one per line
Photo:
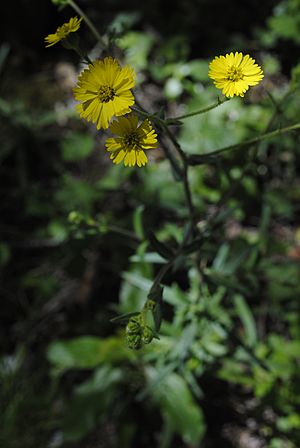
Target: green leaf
[219,264]
[124,317]
[137,280]
[137,46]
[229,282]
[247,319]
[148,257]
[138,222]
[160,247]
[229,259]
[234,372]
[77,146]
[87,352]
[91,400]
[178,407]
[172,295]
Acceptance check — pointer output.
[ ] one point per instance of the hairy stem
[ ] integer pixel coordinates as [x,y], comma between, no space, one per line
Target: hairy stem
[201,111]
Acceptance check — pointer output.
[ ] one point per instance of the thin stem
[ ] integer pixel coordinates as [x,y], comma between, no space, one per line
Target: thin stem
[88,22]
[278,108]
[124,232]
[173,161]
[165,268]
[145,114]
[184,159]
[162,272]
[82,56]
[198,159]
[161,123]
[201,111]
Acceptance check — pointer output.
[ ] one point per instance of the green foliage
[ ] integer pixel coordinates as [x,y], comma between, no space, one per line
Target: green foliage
[77,146]
[180,411]
[86,352]
[95,396]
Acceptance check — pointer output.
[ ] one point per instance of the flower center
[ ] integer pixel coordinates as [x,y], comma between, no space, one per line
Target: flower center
[132,141]
[106,94]
[235,74]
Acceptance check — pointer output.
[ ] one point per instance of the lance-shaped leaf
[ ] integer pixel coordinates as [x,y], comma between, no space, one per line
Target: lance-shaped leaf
[163,250]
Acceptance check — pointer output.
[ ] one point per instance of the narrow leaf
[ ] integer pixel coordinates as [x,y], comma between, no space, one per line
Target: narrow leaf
[247,319]
[160,247]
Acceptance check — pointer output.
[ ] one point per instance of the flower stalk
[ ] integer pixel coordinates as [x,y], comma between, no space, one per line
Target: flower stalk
[220,101]
[90,24]
[199,159]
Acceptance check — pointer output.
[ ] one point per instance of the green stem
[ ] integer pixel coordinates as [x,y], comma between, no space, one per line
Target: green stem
[174,120]
[184,158]
[165,268]
[162,125]
[152,117]
[278,108]
[124,232]
[198,159]
[201,111]
[82,56]
[162,272]
[88,22]
[185,163]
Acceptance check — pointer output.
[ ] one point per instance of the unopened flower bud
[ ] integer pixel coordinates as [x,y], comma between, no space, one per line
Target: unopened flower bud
[133,327]
[147,335]
[150,305]
[134,341]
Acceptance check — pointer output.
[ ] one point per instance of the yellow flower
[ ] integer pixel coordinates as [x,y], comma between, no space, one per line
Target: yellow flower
[132,141]
[63,31]
[235,73]
[104,90]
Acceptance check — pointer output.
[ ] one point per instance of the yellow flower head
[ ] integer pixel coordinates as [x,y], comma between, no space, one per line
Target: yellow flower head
[235,73]
[132,141]
[104,91]
[63,31]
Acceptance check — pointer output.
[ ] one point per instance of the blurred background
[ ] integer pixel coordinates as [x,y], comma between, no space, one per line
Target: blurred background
[73,247]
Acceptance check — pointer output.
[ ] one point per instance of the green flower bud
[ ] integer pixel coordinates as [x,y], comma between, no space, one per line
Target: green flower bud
[134,341]
[137,333]
[147,335]
[150,305]
[134,327]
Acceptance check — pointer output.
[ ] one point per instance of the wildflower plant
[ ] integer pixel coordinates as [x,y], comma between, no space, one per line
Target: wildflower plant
[105,97]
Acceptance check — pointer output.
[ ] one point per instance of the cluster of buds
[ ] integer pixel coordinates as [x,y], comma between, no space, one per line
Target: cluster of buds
[81,224]
[138,333]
